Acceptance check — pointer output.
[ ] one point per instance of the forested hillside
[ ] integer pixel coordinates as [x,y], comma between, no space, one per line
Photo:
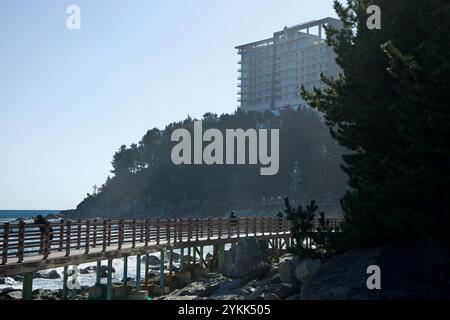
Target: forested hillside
[145,183]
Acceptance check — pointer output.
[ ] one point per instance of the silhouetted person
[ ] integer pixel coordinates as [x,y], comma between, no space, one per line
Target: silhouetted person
[42,222]
[233,219]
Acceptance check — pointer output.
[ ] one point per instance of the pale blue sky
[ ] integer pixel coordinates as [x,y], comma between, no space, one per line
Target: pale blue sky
[69,99]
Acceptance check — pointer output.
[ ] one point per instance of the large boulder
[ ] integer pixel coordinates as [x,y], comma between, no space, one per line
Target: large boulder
[306,268]
[209,284]
[87,270]
[53,274]
[152,260]
[41,294]
[287,269]
[419,271]
[14,295]
[230,288]
[248,258]
[283,290]
[175,257]
[8,281]
[104,271]
[271,296]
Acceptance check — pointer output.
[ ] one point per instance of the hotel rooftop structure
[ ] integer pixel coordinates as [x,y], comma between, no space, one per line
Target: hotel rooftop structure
[273,70]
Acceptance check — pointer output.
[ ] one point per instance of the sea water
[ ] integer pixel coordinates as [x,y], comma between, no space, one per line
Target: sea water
[85,279]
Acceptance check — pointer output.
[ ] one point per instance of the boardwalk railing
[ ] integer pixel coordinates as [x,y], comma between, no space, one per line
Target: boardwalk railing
[22,240]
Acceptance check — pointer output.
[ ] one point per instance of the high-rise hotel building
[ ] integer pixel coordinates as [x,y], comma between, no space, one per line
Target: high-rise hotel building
[273,70]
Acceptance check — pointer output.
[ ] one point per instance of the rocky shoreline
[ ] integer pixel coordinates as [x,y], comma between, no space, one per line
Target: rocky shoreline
[419,271]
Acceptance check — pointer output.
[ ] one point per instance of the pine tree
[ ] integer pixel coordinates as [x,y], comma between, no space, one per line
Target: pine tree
[390,107]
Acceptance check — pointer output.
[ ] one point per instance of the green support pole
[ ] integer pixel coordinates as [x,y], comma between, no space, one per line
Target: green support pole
[182,259]
[125,270]
[65,278]
[170,262]
[215,257]
[201,256]
[97,278]
[27,292]
[74,289]
[189,256]
[221,255]
[109,281]
[161,271]
[138,272]
[146,270]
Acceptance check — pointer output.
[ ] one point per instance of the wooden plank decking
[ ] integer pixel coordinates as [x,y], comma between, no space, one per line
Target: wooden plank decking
[30,247]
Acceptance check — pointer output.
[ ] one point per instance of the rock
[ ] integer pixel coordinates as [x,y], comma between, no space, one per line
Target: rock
[208,256]
[104,271]
[248,258]
[14,295]
[283,290]
[293,297]
[419,271]
[287,269]
[202,289]
[8,281]
[53,274]
[226,297]
[152,260]
[18,277]
[271,296]
[88,270]
[172,297]
[42,294]
[306,268]
[257,294]
[275,279]
[274,268]
[176,257]
[230,288]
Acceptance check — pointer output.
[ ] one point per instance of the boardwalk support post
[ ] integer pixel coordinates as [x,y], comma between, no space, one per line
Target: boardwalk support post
[182,259]
[189,258]
[97,276]
[161,270]
[27,292]
[5,243]
[65,278]
[125,271]
[170,261]
[221,255]
[109,281]
[201,255]
[138,272]
[74,289]
[146,270]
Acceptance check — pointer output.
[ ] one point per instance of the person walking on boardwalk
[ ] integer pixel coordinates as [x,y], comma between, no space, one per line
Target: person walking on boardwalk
[42,222]
[233,219]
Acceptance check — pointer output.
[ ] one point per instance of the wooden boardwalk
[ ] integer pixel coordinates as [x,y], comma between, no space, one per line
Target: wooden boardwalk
[29,247]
